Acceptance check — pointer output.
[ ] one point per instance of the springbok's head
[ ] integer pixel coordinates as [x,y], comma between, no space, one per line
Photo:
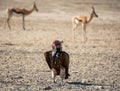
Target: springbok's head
[35,7]
[94,13]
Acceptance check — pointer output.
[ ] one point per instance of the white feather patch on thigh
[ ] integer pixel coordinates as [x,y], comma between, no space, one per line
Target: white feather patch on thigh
[54,73]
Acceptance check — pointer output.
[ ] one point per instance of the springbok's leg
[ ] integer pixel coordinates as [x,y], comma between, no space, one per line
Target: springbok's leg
[85,35]
[23,22]
[8,20]
[5,24]
[84,31]
[73,30]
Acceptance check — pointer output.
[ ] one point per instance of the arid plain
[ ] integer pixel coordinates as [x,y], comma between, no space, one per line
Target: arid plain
[94,65]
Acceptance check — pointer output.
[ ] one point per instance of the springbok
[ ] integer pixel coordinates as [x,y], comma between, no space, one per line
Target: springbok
[84,20]
[20,12]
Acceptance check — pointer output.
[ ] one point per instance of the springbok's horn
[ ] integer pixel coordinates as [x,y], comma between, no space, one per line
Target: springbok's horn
[92,7]
[34,3]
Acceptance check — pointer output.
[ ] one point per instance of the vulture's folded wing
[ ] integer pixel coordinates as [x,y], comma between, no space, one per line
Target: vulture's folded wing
[47,58]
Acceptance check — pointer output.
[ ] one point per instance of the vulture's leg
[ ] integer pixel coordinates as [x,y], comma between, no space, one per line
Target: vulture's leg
[54,73]
[62,74]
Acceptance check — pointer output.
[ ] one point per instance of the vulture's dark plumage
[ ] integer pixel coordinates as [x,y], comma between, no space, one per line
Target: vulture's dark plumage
[58,65]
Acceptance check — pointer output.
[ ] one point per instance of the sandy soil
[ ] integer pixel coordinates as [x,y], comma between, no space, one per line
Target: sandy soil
[94,65]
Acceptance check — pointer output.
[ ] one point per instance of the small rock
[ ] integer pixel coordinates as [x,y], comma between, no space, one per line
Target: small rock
[48,88]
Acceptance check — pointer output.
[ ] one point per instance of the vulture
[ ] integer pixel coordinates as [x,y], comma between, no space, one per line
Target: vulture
[59,65]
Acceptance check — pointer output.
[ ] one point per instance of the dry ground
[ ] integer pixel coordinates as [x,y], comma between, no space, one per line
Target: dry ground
[94,65]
